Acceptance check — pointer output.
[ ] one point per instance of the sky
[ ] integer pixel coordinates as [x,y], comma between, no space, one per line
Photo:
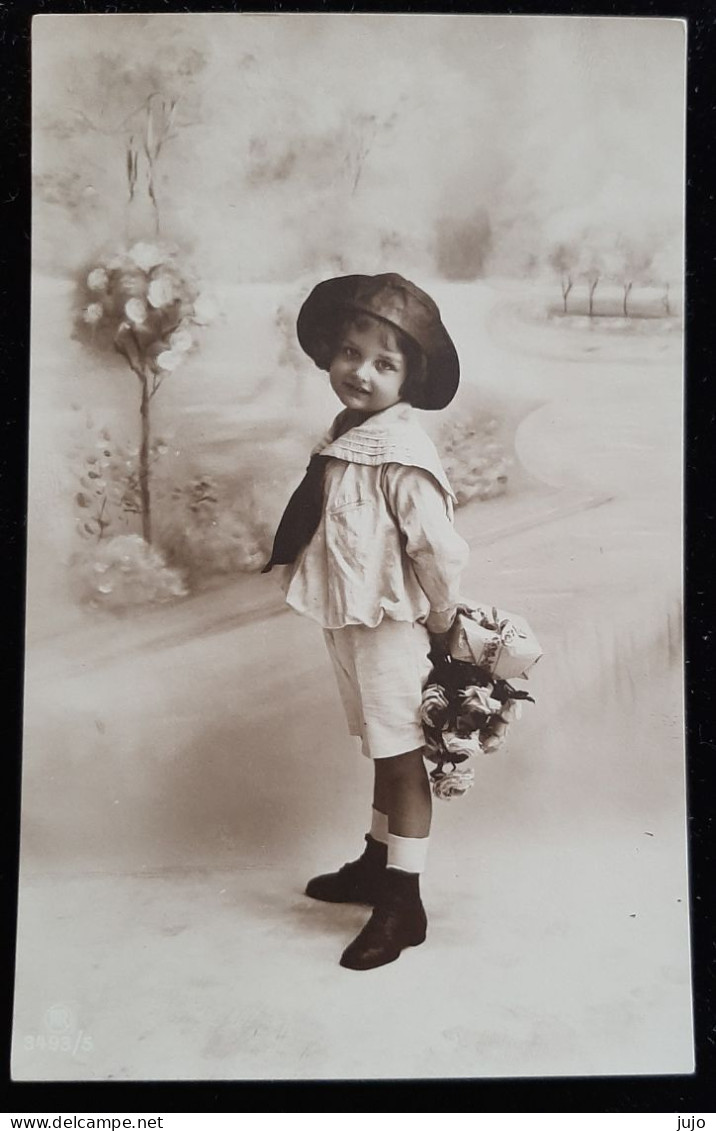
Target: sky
[354,142]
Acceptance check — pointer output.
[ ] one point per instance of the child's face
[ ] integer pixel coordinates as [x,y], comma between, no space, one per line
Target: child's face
[368,370]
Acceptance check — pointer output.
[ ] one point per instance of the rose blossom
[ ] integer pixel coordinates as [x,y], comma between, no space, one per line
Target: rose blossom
[181,339]
[453,784]
[98,279]
[204,309]
[135,310]
[511,711]
[169,360]
[93,313]
[461,748]
[479,699]
[161,291]
[494,737]
[434,706]
[146,256]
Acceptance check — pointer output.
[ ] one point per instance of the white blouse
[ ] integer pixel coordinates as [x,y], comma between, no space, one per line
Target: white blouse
[386,544]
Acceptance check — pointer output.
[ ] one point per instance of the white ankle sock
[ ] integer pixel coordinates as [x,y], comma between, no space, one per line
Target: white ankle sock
[379,826]
[407,853]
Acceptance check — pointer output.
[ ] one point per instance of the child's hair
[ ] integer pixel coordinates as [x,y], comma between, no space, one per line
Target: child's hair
[392,339]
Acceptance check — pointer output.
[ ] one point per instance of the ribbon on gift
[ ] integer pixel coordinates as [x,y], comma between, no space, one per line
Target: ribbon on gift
[501,643]
[504,627]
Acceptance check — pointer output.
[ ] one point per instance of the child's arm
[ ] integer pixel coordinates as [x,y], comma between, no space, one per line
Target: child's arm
[423,513]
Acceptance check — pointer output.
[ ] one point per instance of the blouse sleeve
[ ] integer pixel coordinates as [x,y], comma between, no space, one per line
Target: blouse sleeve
[423,513]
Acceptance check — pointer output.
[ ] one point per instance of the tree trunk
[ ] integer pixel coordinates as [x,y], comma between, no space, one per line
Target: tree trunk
[627,288]
[144,466]
[142,221]
[566,288]
[155,203]
[592,289]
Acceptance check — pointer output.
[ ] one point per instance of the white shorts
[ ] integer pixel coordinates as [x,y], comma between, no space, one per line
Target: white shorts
[381,673]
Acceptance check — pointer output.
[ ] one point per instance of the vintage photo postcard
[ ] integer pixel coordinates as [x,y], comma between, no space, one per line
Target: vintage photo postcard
[353,736]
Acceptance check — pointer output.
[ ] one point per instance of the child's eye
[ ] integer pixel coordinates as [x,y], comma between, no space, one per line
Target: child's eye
[348,351]
[384,365]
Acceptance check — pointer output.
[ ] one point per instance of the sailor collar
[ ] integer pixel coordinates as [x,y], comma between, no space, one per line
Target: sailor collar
[390,436]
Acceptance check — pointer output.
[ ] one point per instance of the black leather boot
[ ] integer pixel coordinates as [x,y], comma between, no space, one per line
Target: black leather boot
[357,882]
[398,921]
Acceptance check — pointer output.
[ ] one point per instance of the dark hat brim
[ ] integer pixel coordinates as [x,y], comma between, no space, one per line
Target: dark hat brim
[396,301]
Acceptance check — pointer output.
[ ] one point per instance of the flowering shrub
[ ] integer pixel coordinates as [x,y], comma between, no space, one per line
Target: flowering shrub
[474,459]
[124,571]
[144,304]
[206,530]
[108,499]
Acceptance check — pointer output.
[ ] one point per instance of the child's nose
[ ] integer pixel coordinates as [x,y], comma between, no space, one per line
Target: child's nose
[364,370]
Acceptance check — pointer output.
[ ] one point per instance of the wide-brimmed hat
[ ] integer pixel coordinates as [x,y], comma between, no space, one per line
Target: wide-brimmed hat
[397,301]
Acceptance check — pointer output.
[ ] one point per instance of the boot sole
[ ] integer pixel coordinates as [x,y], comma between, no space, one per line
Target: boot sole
[355,900]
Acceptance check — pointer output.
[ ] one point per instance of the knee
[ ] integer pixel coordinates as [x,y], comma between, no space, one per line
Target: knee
[401,768]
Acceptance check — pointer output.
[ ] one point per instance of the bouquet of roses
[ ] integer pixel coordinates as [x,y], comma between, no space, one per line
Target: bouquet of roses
[467,707]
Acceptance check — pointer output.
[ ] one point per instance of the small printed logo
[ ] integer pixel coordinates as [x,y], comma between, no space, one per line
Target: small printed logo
[59,1018]
[61,1033]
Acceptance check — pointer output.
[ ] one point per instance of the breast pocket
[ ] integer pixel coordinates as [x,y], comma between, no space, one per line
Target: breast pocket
[351,532]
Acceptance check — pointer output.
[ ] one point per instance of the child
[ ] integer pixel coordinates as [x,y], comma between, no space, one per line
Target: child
[369,551]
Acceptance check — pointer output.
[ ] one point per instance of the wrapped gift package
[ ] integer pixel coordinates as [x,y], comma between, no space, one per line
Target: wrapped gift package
[500,642]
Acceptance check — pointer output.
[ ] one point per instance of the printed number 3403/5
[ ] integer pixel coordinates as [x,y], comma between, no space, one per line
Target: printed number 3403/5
[56,1043]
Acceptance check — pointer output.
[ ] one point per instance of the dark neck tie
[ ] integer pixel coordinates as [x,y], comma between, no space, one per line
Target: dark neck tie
[301,517]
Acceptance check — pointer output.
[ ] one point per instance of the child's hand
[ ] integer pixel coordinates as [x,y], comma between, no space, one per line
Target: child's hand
[439,640]
[466,609]
[439,643]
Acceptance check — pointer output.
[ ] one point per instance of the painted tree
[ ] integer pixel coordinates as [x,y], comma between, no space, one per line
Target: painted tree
[633,254]
[363,131]
[562,258]
[666,270]
[463,244]
[591,266]
[142,304]
[339,151]
[112,130]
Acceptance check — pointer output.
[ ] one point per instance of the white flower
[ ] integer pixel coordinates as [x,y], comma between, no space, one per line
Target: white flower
[146,255]
[169,360]
[511,711]
[479,699]
[434,706]
[181,339]
[93,314]
[494,737]
[161,291]
[98,280]
[205,309]
[492,742]
[454,784]
[135,310]
[460,748]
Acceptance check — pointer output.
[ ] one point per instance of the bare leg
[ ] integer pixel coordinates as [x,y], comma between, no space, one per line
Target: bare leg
[402,790]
